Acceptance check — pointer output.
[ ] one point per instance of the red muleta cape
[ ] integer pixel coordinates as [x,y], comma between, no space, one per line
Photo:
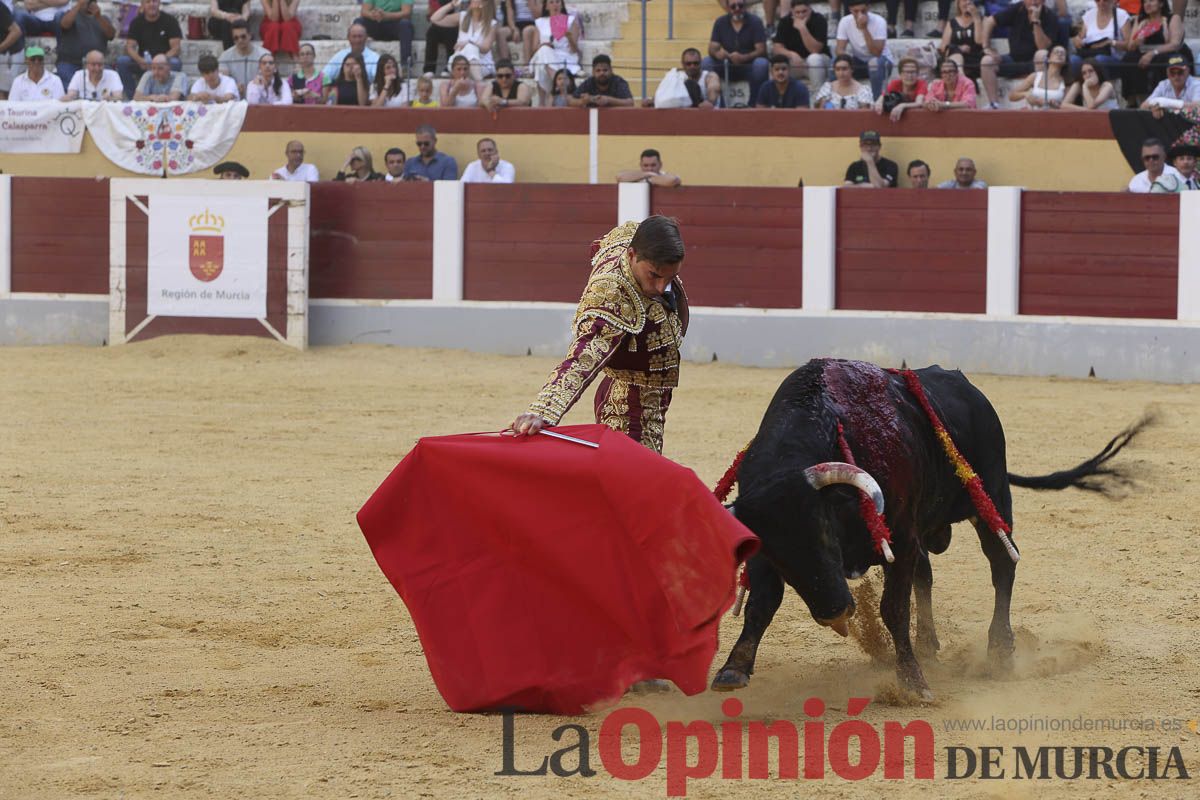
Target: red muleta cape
[548,576]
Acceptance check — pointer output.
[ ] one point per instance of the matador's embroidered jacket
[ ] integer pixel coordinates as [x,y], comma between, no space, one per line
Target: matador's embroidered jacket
[634,340]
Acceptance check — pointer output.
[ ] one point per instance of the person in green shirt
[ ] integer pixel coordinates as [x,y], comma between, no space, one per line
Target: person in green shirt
[390,21]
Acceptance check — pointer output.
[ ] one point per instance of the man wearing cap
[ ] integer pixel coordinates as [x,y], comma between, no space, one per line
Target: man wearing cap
[1183,158]
[1178,89]
[35,84]
[12,49]
[231,171]
[872,171]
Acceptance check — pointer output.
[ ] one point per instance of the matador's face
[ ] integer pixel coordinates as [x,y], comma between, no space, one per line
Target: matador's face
[652,279]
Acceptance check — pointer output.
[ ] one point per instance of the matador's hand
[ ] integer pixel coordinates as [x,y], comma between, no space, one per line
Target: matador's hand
[528,424]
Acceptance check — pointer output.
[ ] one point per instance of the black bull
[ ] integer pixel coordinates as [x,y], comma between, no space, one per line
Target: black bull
[814,539]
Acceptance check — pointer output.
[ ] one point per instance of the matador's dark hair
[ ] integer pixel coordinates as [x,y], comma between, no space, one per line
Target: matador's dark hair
[658,241]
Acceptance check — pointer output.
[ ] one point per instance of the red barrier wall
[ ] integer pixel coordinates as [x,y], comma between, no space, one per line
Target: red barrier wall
[60,235]
[371,241]
[743,244]
[532,242]
[1099,254]
[912,250]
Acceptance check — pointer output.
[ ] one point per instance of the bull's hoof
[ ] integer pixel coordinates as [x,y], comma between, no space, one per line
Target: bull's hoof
[729,679]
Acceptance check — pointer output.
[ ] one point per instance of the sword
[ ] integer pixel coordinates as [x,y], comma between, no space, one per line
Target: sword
[566,438]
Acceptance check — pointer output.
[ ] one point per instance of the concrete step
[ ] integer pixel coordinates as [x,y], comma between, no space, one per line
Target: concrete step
[600,18]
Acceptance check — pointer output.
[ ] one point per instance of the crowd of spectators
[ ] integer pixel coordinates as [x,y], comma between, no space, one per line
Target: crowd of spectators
[1056,62]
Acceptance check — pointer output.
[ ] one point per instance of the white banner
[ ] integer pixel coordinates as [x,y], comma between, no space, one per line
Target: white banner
[207,257]
[164,138]
[50,127]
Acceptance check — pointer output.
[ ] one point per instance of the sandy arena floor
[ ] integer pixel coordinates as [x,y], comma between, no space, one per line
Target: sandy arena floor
[189,609]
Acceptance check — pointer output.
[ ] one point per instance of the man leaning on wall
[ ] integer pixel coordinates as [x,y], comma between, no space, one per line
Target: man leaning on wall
[650,171]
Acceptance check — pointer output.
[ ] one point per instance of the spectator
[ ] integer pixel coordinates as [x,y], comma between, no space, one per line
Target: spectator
[1178,90]
[477,31]
[241,61]
[308,83]
[81,30]
[1153,39]
[221,16]
[151,33]
[1103,31]
[1030,28]
[393,161]
[564,89]
[231,171]
[212,86]
[1183,158]
[461,90]
[430,165]
[489,167]
[843,92]
[389,21]
[1154,156]
[1091,91]
[295,169]
[782,91]
[907,91]
[737,47]
[505,91]
[951,90]
[359,168]
[1016,96]
[960,39]
[964,177]
[425,98]
[603,88]
[802,36]
[893,16]
[651,172]
[871,171]
[41,17]
[268,87]
[700,88]
[280,28]
[94,82]
[389,89]
[350,88]
[918,174]
[35,85]
[1048,88]
[12,49]
[863,36]
[555,47]
[356,35]
[525,30]
[440,35]
[161,84]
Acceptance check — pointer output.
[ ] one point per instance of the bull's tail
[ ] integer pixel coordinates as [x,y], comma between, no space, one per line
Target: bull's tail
[1095,474]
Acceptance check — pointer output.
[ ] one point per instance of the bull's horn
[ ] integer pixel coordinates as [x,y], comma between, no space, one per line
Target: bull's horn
[821,475]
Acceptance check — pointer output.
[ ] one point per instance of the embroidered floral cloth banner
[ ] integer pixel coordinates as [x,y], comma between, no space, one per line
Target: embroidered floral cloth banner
[50,127]
[164,138]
